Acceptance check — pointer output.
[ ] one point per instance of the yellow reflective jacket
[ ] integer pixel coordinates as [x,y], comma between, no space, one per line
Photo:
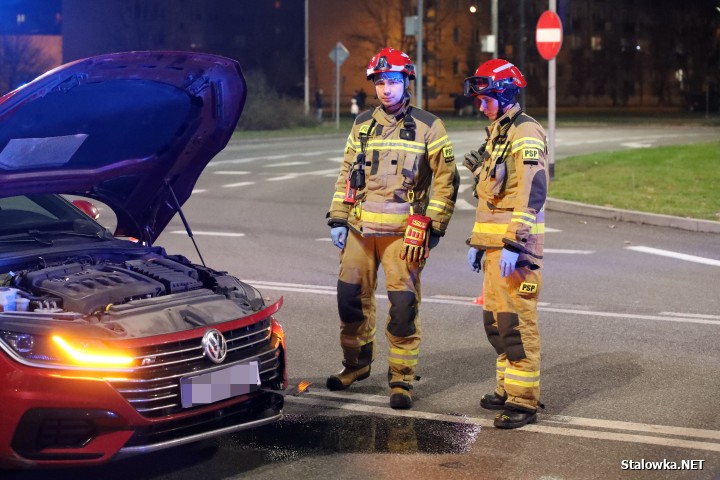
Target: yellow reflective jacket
[409,151]
[512,188]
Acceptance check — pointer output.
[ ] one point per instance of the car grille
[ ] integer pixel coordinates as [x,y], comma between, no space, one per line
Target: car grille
[154,388]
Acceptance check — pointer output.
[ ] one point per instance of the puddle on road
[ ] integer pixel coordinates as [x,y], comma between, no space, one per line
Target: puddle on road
[298,435]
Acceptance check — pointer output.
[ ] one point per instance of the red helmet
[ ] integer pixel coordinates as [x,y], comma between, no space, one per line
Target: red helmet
[494,76]
[390,60]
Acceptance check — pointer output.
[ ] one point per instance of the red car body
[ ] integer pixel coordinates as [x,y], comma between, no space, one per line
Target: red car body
[111,347]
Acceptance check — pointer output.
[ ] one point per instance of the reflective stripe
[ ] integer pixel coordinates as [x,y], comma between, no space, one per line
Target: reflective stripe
[528,216]
[494,228]
[404,357]
[500,365]
[521,378]
[397,144]
[500,229]
[394,218]
[527,142]
[338,196]
[438,144]
[440,206]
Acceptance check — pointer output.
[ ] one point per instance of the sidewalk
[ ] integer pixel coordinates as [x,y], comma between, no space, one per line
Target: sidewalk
[691,224]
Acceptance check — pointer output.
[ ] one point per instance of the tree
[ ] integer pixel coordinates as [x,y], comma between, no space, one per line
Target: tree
[21,60]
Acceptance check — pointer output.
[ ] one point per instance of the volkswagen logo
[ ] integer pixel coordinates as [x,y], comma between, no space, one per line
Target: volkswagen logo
[214,346]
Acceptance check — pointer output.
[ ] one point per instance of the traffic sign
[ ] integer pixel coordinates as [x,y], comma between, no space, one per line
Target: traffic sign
[339,54]
[548,35]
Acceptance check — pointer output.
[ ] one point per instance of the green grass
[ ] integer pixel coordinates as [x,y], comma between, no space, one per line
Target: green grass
[681,180]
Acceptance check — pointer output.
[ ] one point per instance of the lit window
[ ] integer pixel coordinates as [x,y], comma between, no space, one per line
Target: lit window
[20,18]
[596,43]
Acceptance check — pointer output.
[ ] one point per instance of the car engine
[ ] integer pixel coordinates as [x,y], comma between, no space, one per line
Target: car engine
[95,287]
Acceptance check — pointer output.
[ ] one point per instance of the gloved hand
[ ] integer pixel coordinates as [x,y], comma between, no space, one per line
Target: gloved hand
[508,259]
[474,258]
[415,243]
[338,236]
[433,242]
[474,159]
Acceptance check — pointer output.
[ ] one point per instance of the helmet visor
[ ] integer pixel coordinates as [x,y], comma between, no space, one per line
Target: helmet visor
[473,86]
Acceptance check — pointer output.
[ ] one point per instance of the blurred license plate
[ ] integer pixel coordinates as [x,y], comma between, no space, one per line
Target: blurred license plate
[220,384]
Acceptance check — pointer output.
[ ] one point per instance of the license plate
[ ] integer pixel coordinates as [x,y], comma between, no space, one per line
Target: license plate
[219,384]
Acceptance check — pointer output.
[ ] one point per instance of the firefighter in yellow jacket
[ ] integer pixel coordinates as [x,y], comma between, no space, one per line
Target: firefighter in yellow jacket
[511,185]
[393,200]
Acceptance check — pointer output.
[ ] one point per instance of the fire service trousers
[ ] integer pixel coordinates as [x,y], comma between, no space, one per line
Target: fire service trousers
[510,319]
[356,286]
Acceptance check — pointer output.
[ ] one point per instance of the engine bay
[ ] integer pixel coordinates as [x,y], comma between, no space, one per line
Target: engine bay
[96,287]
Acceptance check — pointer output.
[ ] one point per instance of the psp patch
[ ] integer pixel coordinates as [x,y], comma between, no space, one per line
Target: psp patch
[448,154]
[527,287]
[530,154]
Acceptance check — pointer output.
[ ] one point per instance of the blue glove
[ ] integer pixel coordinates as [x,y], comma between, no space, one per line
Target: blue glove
[508,260]
[338,236]
[433,241]
[474,257]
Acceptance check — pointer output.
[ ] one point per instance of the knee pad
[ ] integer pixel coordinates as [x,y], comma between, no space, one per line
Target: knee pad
[403,310]
[349,302]
[511,339]
[492,332]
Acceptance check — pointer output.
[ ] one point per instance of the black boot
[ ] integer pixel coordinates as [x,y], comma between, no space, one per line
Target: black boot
[400,398]
[347,377]
[492,401]
[514,416]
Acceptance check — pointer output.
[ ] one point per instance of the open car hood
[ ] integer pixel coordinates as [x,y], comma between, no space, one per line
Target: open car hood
[129,129]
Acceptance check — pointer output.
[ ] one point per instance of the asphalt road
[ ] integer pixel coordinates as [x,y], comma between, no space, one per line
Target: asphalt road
[629,320]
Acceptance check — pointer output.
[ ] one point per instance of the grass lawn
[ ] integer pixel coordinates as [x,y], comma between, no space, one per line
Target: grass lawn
[682,180]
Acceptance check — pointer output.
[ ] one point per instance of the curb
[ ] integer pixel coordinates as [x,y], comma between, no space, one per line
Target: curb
[691,224]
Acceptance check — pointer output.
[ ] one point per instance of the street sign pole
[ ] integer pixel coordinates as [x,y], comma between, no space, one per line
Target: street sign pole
[548,38]
[338,55]
[551,103]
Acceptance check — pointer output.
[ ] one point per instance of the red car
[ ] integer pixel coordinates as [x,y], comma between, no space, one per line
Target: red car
[112,347]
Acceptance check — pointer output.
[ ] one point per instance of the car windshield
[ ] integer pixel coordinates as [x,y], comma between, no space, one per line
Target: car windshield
[44,219]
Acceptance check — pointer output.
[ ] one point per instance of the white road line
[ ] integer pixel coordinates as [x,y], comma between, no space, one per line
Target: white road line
[286,164]
[292,176]
[199,190]
[237,161]
[484,422]
[636,145]
[323,239]
[209,234]
[231,172]
[676,255]
[323,290]
[568,251]
[239,184]
[559,419]
[694,315]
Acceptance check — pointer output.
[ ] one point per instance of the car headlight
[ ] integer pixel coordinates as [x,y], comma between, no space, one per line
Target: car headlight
[63,350]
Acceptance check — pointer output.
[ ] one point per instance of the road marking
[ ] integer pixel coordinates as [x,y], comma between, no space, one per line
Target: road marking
[286,164]
[679,256]
[239,184]
[209,234]
[568,251]
[462,204]
[310,398]
[467,301]
[292,176]
[636,145]
[694,315]
[236,161]
[231,172]
[199,190]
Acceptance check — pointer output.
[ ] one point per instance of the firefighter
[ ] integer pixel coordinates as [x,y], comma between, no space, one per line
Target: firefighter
[393,200]
[511,179]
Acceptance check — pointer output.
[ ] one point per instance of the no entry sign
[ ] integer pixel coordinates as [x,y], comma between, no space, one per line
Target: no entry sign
[548,35]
